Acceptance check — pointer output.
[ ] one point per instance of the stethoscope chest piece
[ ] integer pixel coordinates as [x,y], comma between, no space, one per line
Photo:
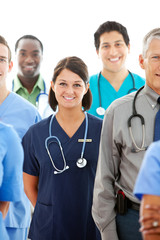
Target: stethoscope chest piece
[81,162]
[100,111]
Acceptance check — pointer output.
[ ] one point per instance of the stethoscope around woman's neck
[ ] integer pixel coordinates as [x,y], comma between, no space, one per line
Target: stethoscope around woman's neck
[81,162]
[100,110]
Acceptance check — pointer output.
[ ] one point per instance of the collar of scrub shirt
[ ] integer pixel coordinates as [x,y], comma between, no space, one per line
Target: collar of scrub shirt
[151,96]
[18,85]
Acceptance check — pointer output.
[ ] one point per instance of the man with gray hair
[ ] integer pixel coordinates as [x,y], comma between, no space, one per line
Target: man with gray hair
[128,129]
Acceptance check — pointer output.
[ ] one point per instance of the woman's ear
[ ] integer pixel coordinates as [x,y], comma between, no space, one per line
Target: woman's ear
[87,87]
[52,85]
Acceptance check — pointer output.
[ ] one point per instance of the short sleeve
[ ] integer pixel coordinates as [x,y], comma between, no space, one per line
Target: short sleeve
[11,156]
[3,231]
[148,180]
[31,165]
[1,168]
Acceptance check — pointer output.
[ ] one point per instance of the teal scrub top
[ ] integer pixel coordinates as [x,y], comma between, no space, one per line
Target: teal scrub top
[108,93]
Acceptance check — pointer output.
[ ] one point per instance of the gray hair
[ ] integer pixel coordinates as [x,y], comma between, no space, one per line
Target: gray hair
[155,33]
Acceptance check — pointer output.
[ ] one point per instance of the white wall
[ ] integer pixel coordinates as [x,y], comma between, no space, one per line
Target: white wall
[66,27]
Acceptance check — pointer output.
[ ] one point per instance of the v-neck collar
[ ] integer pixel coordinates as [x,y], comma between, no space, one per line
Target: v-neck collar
[123,85]
[63,135]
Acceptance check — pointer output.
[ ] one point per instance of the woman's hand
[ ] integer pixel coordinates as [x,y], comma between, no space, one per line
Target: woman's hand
[150,217]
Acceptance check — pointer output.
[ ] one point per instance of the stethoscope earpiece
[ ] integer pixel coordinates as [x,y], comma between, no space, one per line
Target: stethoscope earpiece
[57,172]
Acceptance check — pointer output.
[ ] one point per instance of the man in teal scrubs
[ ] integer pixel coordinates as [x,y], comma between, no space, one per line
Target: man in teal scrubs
[114,81]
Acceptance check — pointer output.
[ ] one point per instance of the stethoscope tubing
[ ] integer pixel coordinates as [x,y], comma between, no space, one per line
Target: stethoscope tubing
[42,92]
[60,146]
[129,91]
[135,114]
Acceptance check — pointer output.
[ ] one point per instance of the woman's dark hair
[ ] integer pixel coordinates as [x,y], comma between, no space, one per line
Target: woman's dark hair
[77,66]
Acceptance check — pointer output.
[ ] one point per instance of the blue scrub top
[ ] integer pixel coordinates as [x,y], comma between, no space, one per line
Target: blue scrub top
[11,161]
[108,93]
[63,209]
[148,180]
[11,156]
[3,231]
[2,227]
[21,114]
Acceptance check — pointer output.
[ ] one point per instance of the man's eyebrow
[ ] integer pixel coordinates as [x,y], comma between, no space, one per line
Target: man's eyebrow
[3,57]
[24,50]
[112,42]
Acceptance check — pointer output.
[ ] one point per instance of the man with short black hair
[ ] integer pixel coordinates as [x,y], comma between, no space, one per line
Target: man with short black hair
[29,83]
[115,80]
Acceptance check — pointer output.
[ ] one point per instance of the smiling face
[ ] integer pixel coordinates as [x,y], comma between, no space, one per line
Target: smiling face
[5,65]
[29,57]
[112,51]
[151,64]
[69,90]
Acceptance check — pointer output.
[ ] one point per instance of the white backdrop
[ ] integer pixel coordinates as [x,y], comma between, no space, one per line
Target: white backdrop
[66,27]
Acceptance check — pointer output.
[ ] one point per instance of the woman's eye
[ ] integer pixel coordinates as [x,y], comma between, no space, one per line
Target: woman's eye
[62,84]
[106,46]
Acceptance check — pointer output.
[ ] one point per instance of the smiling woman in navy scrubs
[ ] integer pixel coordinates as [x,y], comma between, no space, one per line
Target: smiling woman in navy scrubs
[60,187]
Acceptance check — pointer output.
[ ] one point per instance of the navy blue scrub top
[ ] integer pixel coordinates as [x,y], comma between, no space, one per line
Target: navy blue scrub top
[63,208]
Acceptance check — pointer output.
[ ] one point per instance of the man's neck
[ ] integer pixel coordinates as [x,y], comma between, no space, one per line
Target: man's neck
[28,83]
[4,92]
[115,78]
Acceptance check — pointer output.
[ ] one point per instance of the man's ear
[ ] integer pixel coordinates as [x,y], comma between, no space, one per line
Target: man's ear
[141,61]
[10,66]
[129,47]
[97,51]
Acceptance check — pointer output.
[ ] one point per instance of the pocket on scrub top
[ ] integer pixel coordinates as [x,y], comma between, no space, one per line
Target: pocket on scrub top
[42,225]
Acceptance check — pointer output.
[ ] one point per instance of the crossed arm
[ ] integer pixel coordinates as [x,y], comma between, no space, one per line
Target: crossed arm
[4,206]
